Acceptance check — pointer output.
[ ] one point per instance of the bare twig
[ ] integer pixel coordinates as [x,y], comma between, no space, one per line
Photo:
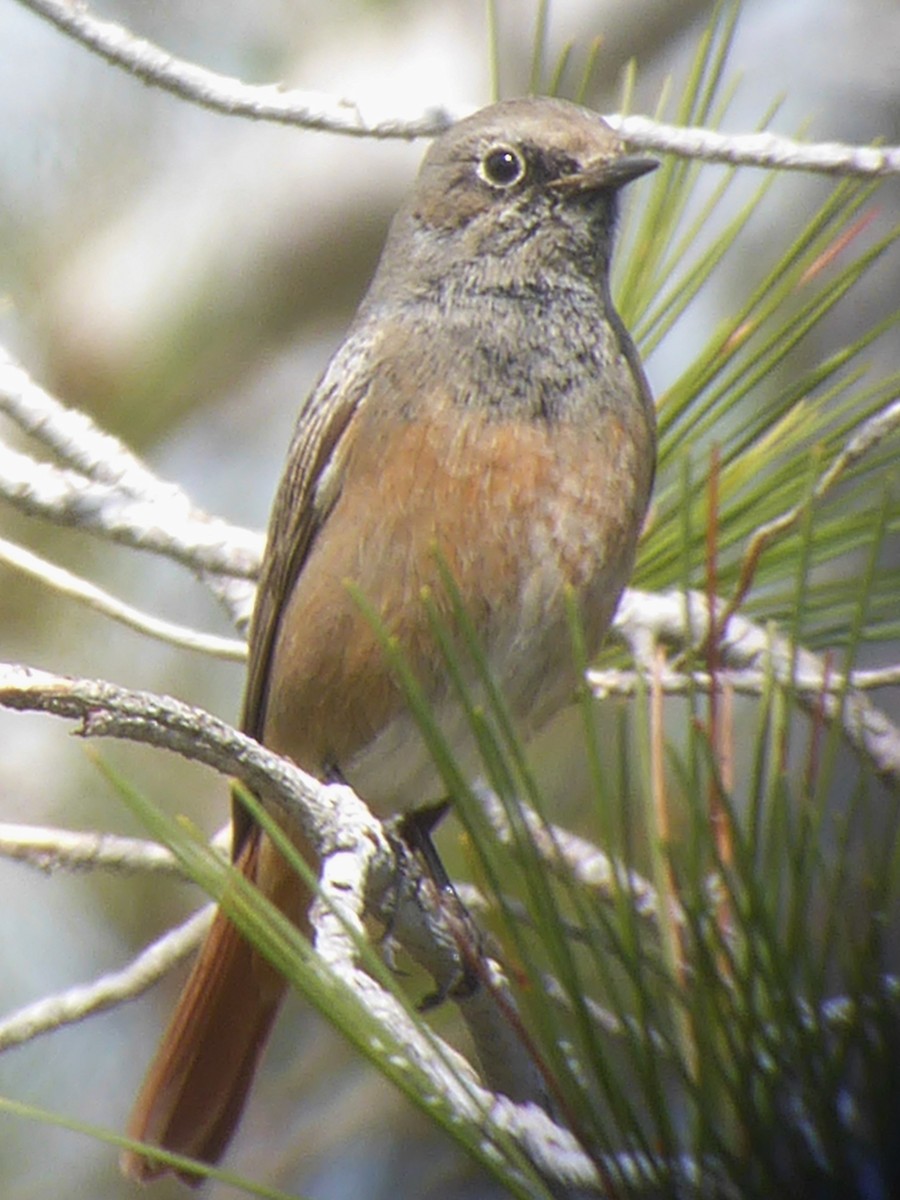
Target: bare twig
[356,858]
[107,490]
[580,858]
[316,110]
[336,822]
[54,849]
[73,437]
[58,579]
[770,150]
[165,525]
[51,849]
[222,93]
[105,710]
[84,1000]
[682,619]
[746,682]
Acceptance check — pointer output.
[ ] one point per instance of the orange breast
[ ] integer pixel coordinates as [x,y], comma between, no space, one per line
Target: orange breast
[518,511]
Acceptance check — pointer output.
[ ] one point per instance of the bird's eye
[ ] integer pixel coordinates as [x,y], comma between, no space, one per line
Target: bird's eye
[502,166]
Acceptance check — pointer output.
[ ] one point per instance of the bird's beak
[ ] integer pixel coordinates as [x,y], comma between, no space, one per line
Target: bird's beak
[607,174]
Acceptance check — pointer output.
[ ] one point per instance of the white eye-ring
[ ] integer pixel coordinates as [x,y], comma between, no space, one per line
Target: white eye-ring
[502,166]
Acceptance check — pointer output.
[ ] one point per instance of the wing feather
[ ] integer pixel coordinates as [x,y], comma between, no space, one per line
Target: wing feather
[309,488]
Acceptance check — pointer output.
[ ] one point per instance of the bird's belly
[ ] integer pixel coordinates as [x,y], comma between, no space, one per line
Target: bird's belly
[527,520]
[532,663]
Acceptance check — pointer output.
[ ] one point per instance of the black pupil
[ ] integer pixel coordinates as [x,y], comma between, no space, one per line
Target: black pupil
[502,166]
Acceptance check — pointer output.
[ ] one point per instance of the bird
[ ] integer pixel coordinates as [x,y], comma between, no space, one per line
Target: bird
[486,418]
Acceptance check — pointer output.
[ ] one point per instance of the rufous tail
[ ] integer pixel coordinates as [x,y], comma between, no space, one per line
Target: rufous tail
[197,1085]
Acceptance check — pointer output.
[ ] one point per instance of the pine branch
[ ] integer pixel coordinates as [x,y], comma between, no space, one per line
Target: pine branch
[74,587]
[50,849]
[683,620]
[104,488]
[357,118]
[110,492]
[74,1004]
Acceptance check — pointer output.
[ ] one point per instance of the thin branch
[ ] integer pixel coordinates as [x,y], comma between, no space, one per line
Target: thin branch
[348,840]
[73,437]
[225,94]
[191,536]
[747,682]
[58,579]
[107,490]
[84,1000]
[682,619]
[551,1148]
[583,861]
[105,710]
[335,821]
[321,111]
[67,497]
[51,849]
[769,150]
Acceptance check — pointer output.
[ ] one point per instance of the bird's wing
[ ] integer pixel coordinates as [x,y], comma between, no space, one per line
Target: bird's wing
[309,488]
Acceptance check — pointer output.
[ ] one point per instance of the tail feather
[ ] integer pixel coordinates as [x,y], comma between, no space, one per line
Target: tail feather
[197,1085]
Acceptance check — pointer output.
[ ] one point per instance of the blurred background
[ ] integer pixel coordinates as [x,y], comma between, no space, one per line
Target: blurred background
[183,277]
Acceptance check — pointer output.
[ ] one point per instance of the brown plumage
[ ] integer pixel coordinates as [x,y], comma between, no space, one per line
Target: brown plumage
[487,408]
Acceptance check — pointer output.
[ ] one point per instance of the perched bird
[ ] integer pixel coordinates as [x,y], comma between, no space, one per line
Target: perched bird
[486,413]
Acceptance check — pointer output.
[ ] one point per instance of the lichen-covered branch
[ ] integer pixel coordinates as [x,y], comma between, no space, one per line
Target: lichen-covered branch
[363,118]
